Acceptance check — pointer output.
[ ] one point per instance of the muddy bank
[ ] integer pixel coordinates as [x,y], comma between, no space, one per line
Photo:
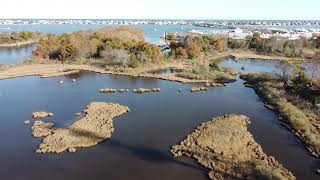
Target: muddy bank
[228,150]
[18,44]
[55,69]
[254,55]
[93,128]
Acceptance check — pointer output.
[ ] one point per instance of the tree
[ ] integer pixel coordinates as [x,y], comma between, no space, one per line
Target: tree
[194,51]
[300,84]
[220,43]
[181,53]
[253,41]
[68,52]
[118,57]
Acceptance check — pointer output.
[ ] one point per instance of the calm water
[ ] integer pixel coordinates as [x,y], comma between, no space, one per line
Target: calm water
[139,147]
[13,55]
[266,66]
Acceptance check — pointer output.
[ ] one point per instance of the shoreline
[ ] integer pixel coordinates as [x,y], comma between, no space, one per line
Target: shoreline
[18,44]
[55,70]
[244,54]
[251,55]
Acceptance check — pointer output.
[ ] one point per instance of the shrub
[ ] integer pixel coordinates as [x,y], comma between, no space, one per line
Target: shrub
[214,67]
[134,62]
[118,57]
[237,43]
[220,43]
[300,83]
[68,52]
[180,53]
[194,51]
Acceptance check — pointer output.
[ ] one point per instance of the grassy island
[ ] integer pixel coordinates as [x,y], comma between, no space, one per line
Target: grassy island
[226,148]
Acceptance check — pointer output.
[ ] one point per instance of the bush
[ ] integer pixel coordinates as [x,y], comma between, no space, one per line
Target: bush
[180,53]
[194,51]
[300,83]
[134,63]
[116,57]
[214,67]
[220,43]
[237,43]
[70,52]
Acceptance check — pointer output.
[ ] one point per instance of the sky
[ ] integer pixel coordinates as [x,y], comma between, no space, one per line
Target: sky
[161,9]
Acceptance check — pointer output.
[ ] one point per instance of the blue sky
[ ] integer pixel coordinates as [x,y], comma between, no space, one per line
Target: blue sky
[158,9]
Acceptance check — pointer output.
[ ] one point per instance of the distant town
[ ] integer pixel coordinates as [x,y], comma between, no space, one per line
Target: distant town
[161,22]
[236,29]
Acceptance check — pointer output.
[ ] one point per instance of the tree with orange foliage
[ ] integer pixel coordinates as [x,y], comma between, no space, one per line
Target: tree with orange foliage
[180,53]
[68,52]
[194,51]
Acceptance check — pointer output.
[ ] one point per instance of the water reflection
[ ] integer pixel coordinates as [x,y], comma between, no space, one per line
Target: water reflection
[15,55]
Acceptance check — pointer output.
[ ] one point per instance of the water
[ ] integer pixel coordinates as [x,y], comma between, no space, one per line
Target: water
[264,66]
[14,55]
[139,147]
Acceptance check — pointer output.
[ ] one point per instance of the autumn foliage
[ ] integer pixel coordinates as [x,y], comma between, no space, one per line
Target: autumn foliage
[113,46]
[193,46]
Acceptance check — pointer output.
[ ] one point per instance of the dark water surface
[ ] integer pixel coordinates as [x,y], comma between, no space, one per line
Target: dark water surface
[139,147]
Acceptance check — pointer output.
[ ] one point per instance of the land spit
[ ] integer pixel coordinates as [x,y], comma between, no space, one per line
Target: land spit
[254,55]
[225,146]
[95,127]
[17,44]
[58,69]
[299,121]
